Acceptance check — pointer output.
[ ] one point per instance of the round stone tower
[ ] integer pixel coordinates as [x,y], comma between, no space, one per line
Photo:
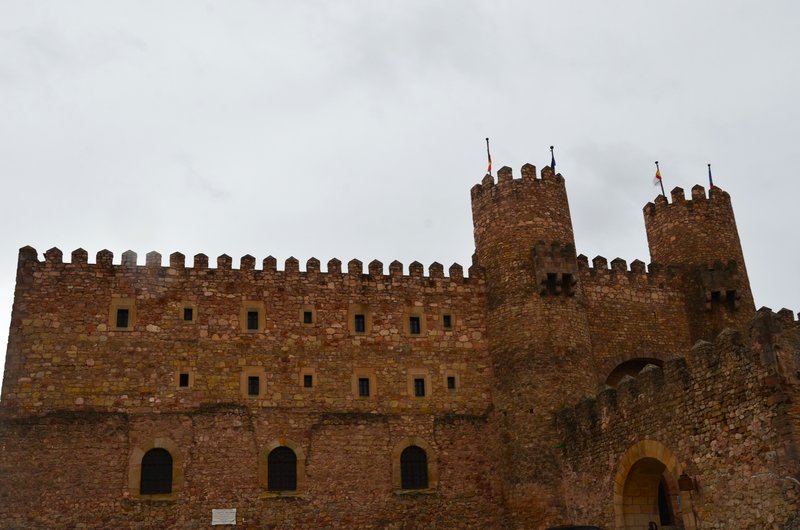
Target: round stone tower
[537,328]
[699,237]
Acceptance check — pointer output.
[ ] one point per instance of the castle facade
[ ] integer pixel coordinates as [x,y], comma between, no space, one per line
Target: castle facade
[533,390]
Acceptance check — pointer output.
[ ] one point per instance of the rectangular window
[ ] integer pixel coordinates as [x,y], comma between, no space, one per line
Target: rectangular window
[308,381]
[730,300]
[360,324]
[363,386]
[419,387]
[451,382]
[552,282]
[122,318]
[308,317]
[183,380]
[253,385]
[188,314]
[413,325]
[252,320]
[447,321]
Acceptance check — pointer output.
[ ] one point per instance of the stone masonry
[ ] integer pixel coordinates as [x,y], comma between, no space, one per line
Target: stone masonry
[542,389]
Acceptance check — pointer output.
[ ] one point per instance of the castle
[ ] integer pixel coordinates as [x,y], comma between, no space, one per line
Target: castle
[534,390]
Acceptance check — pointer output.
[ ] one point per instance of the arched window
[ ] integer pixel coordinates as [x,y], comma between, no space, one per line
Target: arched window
[156,472]
[281,469]
[414,468]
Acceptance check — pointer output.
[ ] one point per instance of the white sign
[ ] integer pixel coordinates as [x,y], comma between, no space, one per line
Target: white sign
[226,516]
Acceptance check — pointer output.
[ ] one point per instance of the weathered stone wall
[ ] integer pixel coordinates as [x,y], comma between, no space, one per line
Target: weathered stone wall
[76,472]
[65,354]
[725,418]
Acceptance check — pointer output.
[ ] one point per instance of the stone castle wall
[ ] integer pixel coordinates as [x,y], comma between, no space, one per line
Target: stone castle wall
[724,416]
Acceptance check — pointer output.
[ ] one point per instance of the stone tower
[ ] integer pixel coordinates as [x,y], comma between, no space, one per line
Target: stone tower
[699,237]
[537,328]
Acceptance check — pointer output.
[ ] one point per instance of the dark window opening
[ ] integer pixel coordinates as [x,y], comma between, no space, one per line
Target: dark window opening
[566,283]
[552,281]
[360,324]
[188,314]
[281,470]
[308,380]
[419,387]
[308,317]
[451,382]
[253,384]
[664,509]
[252,320]
[122,318]
[363,386]
[156,474]
[715,297]
[413,468]
[447,321]
[183,380]
[413,325]
[730,300]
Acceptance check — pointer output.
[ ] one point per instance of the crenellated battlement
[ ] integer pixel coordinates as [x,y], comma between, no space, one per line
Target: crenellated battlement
[104,261]
[506,183]
[620,271]
[716,198]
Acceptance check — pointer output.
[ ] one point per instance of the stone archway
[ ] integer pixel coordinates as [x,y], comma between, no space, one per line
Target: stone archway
[646,489]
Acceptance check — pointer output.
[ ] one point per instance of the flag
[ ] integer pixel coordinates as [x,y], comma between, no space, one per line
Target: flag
[657,178]
[552,160]
[489,156]
[710,180]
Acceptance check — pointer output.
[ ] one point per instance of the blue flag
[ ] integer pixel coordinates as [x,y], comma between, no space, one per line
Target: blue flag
[552,159]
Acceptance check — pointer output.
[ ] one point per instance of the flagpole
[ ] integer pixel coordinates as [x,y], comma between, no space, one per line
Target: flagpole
[710,180]
[552,160]
[489,156]
[660,181]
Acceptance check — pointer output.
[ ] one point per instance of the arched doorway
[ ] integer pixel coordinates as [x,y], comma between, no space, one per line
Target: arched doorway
[646,489]
[648,496]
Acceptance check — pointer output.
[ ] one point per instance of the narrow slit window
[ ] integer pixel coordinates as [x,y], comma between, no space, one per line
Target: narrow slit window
[447,321]
[252,320]
[253,385]
[308,317]
[451,382]
[188,314]
[419,387]
[566,283]
[552,283]
[123,318]
[715,297]
[183,380]
[308,381]
[730,300]
[413,325]
[360,324]
[363,386]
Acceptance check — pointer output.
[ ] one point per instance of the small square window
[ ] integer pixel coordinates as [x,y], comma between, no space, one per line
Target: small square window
[122,318]
[252,320]
[363,386]
[253,385]
[419,387]
[188,314]
[308,381]
[413,325]
[308,317]
[451,382]
[183,380]
[447,321]
[360,324]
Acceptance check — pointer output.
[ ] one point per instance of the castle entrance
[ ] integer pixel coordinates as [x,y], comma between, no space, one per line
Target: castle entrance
[646,489]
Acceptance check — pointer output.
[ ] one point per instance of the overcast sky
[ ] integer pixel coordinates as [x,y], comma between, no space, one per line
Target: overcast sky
[356,129]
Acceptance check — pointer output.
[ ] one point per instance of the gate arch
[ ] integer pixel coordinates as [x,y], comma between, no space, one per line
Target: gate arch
[646,489]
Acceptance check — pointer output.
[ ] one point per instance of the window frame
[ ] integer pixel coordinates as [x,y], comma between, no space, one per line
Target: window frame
[263,469]
[117,304]
[432,468]
[135,469]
